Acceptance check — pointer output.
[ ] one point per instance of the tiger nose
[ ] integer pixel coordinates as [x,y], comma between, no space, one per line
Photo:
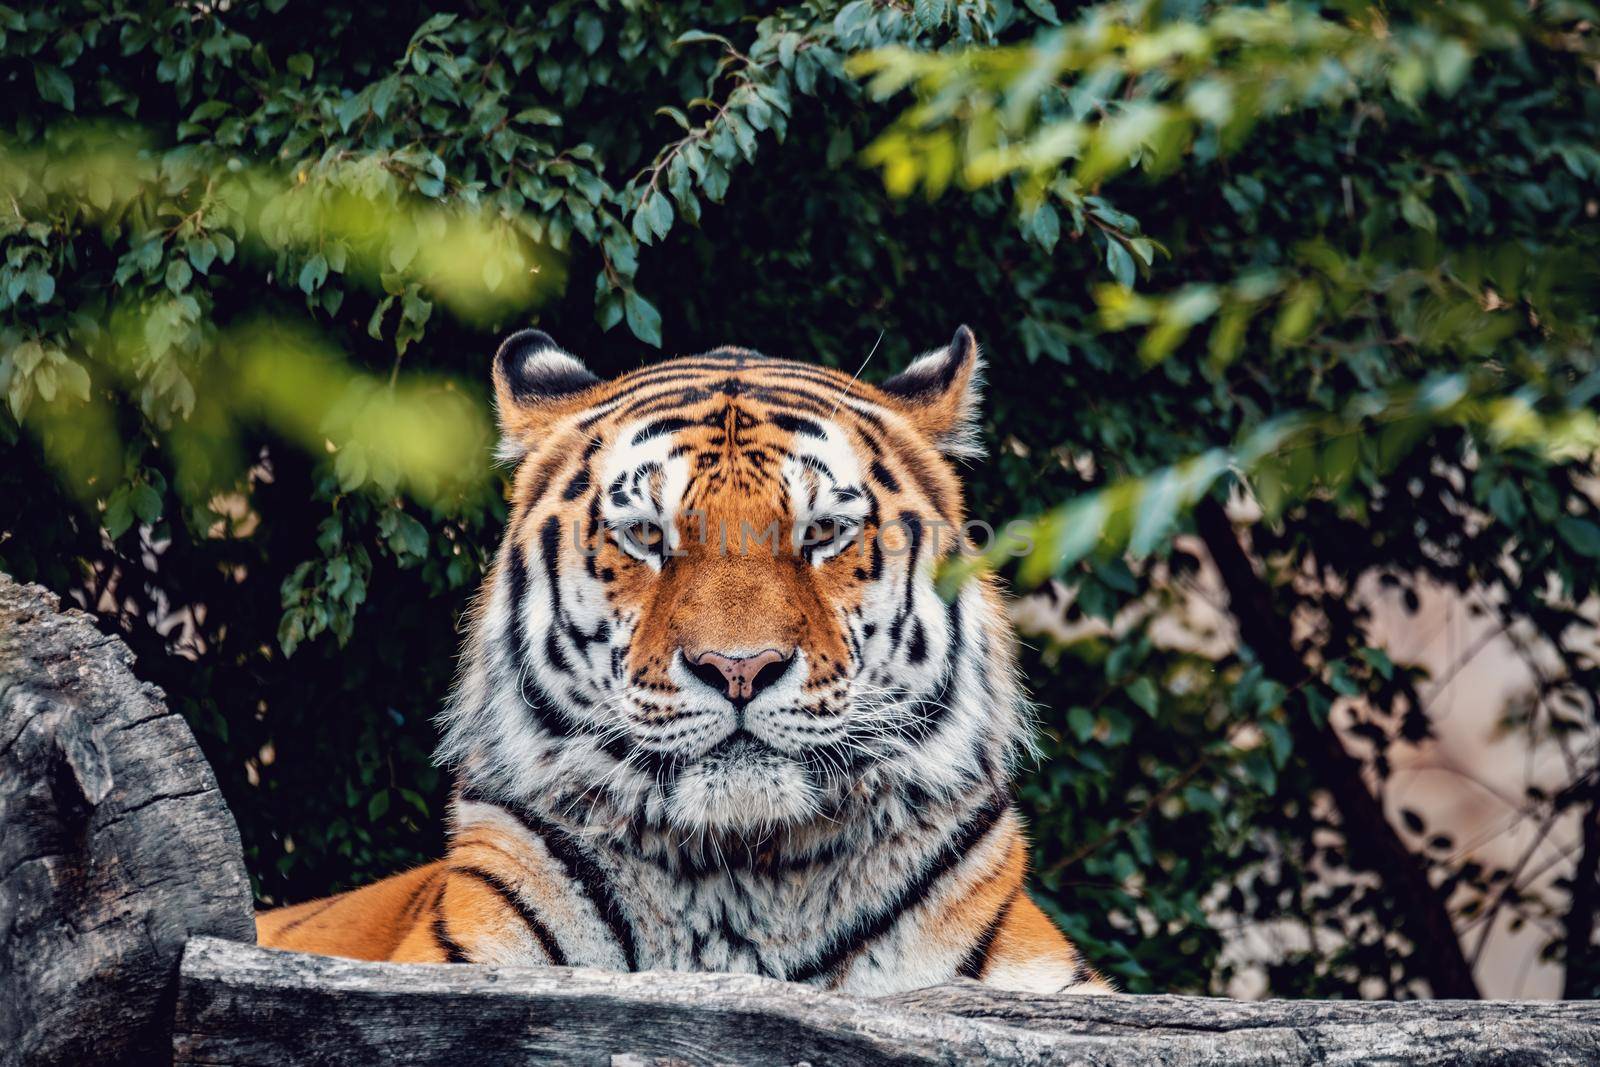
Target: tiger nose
[740,678]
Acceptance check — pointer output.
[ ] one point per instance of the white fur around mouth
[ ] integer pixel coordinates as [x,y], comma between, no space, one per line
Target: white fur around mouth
[743,786]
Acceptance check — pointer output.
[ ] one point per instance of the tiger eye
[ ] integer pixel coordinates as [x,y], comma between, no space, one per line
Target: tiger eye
[819,533]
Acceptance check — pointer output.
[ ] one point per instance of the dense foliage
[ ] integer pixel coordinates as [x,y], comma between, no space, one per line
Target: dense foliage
[1339,263]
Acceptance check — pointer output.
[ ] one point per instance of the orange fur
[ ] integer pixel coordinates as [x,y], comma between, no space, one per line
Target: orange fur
[370,923]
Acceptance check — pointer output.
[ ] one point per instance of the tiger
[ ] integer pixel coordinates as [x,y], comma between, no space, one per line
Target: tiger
[713,713]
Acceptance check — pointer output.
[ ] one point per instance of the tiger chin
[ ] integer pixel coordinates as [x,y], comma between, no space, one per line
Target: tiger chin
[713,714]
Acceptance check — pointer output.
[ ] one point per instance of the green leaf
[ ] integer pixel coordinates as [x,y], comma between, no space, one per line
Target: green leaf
[1418,213]
[659,209]
[930,14]
[1258,767]
[179,275]
[74,379]
[1505,500]
[589,31]
[118,515]
[1340,681]
[1143,693]
[1269,696]
[698,36]
[1279,738]
[1046,226]
[313,273]
[350,467]
[54,86]
[1157,509]
[643,318]
[350,109]
[41,285]
[1120,263]
[1378,660]
[44,382]
[202,253]
[338,573]
[378,806]
[384,96]
[146,504]
[1082,723]
[375,323]
[436,24]
[609,312]
[211,109]
[1045,10]
[1581,534]
[408,538]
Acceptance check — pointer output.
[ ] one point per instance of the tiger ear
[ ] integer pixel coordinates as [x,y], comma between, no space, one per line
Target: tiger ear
[535,381]
[939,393]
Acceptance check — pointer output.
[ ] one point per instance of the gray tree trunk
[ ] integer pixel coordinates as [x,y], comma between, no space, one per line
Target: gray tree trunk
[117,855]
[115,846]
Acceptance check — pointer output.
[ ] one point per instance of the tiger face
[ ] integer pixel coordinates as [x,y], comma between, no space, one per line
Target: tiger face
[714,607]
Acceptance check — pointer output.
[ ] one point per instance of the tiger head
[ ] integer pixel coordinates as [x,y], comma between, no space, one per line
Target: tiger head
[714,608]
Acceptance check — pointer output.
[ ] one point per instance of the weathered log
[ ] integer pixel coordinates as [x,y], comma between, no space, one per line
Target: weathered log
[116,851]
[244,1005]
[115,846]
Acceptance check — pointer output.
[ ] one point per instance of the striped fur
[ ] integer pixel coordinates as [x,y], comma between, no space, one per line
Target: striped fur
[851,825]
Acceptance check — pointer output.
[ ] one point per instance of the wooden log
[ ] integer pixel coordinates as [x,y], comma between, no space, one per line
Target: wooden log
[115,846]
[244,1005]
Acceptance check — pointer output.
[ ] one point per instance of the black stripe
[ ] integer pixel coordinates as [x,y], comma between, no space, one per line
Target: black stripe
[441,936]
[977,958]
[698,370]
[579,484]
[712,364]
[671,424]
[869,927]
[514,901]
[516,594]
[926,715]
[1081,973]
[550,549]
[542,478]
[673,399]
[308,917]
[534,699]
[737,941]
[796,424]
[912,523]
[581,868]
[917,647]
[780,396]
[546,714]
[413,905]
[609,407]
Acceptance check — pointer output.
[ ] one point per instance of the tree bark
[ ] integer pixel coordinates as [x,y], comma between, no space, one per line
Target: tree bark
[1371,840]
[244,1005]
[115,846]
[1581,979]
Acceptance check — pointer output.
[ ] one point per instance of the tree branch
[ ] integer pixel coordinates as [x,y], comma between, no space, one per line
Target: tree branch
[1371,841]
[1581,980]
